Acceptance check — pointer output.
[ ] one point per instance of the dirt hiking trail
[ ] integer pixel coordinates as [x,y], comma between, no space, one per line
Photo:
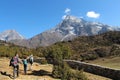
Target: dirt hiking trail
[39,72]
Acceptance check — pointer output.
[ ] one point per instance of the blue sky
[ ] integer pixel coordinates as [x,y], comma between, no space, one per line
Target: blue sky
[31,17]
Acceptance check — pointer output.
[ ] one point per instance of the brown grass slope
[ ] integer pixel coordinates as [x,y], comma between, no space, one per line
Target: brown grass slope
[93,47]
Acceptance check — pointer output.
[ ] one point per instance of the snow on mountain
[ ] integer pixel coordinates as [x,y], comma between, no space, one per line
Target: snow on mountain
[9,35]
[80,27]
[73,19]
[69,28]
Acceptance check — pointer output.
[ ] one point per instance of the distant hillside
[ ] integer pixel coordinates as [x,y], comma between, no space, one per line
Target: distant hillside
[89,47]
[9,50]
[81,48]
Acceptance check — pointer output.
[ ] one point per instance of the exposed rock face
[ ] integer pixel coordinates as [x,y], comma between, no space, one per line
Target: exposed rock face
[10,35]
[68,29]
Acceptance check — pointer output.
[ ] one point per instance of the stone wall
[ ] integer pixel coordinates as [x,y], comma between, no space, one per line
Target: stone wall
[95,69]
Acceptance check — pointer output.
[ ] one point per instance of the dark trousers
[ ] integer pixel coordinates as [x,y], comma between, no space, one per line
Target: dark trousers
[15,70]
[31,62]
[25,68]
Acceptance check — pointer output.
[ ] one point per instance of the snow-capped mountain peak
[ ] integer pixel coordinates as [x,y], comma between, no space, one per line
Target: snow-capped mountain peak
[72,25]
[72,18]
[10,35]
[69,28]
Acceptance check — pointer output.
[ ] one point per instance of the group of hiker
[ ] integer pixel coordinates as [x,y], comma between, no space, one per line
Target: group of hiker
[14,62]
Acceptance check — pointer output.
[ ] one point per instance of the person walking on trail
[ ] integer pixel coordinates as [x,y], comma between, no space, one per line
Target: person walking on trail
[25,64]
[31,59]
[14,62]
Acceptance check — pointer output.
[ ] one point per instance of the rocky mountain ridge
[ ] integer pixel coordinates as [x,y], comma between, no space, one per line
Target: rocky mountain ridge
[9,35]
[68,29]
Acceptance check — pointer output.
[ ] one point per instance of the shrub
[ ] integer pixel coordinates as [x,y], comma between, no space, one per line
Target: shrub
[64,72]
[57,70]
[43,61]
[89,56]
[102,52]
[115,50]
[56,54]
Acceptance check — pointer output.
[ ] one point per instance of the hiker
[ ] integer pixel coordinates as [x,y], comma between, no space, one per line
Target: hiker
[14,62]
[31,61]
[25,64]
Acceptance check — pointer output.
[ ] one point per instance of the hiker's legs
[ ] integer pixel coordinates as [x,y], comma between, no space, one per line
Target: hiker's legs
[14,71]
[25,68]
[17,70]
[31,65]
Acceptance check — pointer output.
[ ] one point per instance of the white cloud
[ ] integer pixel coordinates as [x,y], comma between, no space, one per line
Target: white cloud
[64,16]
[93,14]
[67,10]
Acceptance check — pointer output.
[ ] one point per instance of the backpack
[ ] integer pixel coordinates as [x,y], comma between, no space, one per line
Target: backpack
[14,61]
[25,61]
[11,60]
[31,59]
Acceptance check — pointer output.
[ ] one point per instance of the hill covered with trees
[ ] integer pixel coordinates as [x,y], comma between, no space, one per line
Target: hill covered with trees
[82,48]
[86,47]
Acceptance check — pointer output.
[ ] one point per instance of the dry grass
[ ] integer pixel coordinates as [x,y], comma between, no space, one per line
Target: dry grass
[111,62]
[95,77]
[39,72]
